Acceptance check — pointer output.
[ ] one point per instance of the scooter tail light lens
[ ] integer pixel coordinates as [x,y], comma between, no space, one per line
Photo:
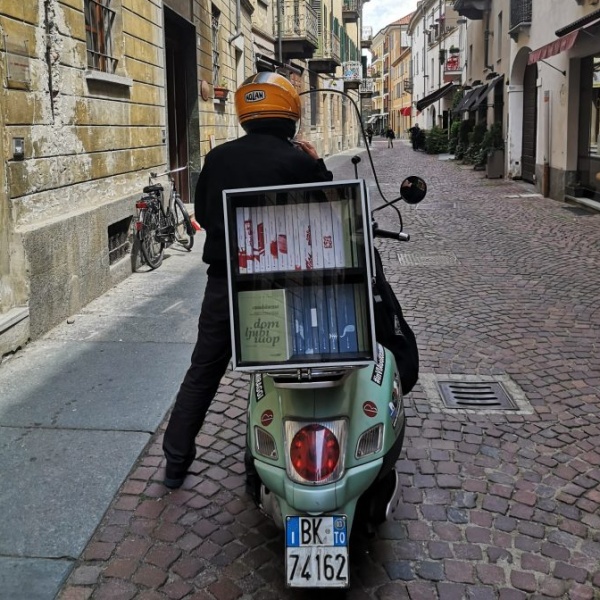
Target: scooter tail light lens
[370,442]
[316,450]
[141,204]
[265,443]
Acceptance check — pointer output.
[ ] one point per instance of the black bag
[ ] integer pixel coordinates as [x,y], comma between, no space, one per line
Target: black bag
[392,331]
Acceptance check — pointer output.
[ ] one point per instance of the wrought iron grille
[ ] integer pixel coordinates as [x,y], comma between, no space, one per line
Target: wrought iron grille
[99,19]
[215,17]
[520,13]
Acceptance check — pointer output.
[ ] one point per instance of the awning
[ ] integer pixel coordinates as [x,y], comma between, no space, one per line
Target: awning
[423,103]
[465,100]
[553,48]
[406,111]
[374,118]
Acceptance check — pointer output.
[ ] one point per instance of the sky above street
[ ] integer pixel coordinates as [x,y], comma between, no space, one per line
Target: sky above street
[379,13]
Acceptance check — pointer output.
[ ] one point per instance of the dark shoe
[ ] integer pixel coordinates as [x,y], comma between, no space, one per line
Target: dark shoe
[173,482]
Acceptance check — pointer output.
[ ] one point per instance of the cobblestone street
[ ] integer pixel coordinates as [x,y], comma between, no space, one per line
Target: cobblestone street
[498,283]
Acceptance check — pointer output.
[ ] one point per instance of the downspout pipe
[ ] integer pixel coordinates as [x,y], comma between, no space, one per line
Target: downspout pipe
[238,22]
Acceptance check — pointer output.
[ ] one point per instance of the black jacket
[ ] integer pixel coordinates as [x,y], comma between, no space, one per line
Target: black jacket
[254,160]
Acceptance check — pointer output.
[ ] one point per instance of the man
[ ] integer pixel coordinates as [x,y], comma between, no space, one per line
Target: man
[369,133]
[268,108]
[390,135]
[415,133]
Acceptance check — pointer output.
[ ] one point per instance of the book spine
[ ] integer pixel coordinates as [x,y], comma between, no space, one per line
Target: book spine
[249,240]
[316,234]
[241,241]
[340,241]
[359,306]
[297,304]
[282,238]
[327,235]
[272,239]
[322,320]
[332,327]
[297,235]
[346,319]
[310,322]
[306,252]
[259,232]
[347,233]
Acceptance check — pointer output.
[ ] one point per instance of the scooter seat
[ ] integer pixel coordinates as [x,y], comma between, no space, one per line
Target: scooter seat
[151,189]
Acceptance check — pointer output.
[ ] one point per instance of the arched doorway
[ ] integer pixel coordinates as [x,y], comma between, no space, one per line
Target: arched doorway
[528,148]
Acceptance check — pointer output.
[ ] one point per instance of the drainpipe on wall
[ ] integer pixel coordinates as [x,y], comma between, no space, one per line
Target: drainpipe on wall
[487,41]
[238,21]
[546,166]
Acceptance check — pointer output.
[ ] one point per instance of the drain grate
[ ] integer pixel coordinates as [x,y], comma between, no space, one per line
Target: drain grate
[474,395]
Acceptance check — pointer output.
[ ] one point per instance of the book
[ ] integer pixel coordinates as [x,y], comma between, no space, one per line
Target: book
[322,319]
[316,235]
[265,326]
[303,224]
[259,258]
[295,301]
[282,241]
[332,330]
[249,240]
[361,317]
[309,310]
[241,241]
[271,241]
[341,241]
[346,318]
[327,235]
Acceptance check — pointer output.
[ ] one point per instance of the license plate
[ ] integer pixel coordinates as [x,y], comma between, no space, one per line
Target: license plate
[316,551]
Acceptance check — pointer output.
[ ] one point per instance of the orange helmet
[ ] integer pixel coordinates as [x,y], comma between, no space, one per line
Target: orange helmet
[267,96]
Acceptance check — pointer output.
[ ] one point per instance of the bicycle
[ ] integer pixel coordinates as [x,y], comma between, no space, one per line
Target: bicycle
[159,226]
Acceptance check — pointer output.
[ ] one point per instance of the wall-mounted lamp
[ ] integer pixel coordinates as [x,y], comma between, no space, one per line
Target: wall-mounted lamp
[18,146]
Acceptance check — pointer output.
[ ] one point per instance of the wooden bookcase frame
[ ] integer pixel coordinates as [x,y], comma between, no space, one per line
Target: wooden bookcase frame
[266,233]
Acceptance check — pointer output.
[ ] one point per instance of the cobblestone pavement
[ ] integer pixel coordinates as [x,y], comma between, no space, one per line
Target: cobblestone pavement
[498,282]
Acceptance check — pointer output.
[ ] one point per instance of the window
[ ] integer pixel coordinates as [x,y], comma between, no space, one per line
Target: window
[499,32]
[215,16]
[314,104]
[99,21]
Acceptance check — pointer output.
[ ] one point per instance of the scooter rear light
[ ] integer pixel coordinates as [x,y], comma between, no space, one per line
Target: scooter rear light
[265,443]
[370,442]
[141,204]
[316,451]
[139,225]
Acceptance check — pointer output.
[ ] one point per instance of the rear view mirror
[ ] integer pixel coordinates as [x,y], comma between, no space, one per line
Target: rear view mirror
[413,189]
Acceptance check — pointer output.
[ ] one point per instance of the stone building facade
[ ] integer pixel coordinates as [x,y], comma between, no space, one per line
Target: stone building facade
[96,94]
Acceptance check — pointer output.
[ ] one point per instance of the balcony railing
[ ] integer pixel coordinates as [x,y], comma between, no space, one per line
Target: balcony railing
[367,86]
[329,48]
[350,10]
[366,37]
[408,85]
[352,71]
[298,22]
[520,14]
[453,64]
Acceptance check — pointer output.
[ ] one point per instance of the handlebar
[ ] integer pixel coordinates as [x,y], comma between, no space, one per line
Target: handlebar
[399,236]
[156,175]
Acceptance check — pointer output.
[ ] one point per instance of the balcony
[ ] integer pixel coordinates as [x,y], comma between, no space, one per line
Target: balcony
[408,86]
[299,26]
[452,68]
[367,88]
[472,9]
[367,38]
[352,75]
[350,11]
[327,57]
[520,17]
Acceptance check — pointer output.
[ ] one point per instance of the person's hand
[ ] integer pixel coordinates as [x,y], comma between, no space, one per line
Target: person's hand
[308,148]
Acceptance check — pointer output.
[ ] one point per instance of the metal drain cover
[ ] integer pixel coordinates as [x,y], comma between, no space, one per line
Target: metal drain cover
[422,259]
[475,394]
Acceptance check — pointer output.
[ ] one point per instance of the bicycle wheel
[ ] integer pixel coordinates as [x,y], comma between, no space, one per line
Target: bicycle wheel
[152,247]
[184,230]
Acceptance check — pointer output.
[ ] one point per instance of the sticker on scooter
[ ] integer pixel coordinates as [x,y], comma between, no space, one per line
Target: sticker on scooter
[266,418]
[259,387]
[379,368]
[370,409]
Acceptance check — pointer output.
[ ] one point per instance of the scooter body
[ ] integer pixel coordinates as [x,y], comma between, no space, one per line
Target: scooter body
[321,453]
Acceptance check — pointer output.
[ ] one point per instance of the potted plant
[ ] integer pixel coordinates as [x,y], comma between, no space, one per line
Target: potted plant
[221,91]
[454,50]
[493,148]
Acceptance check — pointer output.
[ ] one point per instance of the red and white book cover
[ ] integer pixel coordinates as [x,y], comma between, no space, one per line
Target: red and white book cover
[259,240]
[282,238]
[327,236]
[316,234]
[249,239]
[241,241]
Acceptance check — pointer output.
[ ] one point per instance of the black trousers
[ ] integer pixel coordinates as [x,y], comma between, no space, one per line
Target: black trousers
[210,360]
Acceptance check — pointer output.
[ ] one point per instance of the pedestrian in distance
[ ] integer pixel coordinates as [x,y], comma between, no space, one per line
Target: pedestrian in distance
[369,133]
[390,135]
[268,108]
[415,134]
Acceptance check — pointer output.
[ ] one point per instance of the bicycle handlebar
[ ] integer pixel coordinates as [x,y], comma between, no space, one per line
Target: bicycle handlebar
[393,235]
[156,175]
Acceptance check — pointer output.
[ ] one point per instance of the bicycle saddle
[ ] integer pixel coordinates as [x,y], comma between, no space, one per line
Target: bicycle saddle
[150,189]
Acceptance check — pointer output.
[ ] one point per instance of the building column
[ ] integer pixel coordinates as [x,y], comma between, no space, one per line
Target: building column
[514,146]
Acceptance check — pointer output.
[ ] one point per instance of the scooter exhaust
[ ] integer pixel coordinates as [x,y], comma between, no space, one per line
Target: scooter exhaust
[395,497]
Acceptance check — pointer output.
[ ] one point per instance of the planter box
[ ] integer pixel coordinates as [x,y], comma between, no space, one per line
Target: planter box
[221,93]
[495,164]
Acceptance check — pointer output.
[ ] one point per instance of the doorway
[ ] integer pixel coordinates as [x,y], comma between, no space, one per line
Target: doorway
[528,151]
[182,101]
